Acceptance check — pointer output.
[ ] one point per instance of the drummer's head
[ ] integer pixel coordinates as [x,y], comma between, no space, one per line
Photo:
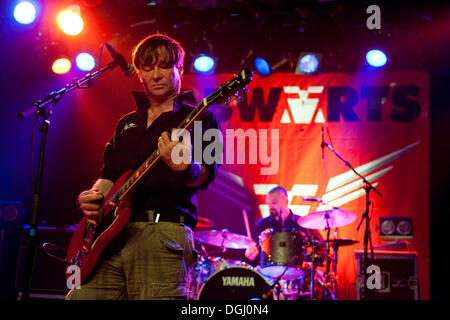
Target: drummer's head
[277,199]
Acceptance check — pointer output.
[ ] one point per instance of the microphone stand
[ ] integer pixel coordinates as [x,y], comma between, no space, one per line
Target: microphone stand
[42,108]
[313,270]
[367,235]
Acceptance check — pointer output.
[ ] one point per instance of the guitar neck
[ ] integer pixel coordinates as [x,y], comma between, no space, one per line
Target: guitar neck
[151,161]
[220,94]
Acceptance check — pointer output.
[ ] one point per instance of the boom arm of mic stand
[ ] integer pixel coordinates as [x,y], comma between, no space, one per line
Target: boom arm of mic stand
[353,169]
[39,106]
[367,236]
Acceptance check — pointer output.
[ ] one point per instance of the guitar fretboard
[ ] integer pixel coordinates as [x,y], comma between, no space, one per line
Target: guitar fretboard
[221,93]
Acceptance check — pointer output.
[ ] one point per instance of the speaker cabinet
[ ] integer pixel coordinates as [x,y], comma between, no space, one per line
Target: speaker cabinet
[398,270]
[48,276]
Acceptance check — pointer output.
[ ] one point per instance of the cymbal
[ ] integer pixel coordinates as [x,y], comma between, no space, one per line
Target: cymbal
[224,238]
[318,220]
[204,223]
[339,242]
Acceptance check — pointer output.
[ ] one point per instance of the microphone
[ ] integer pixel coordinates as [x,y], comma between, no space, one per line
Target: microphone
[312,199]
[322,145]
[127,68]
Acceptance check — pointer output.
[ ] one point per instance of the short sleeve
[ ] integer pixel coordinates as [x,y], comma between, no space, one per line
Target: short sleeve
[107,171]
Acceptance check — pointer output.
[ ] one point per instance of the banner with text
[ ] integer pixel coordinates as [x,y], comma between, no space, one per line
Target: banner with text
[378,122]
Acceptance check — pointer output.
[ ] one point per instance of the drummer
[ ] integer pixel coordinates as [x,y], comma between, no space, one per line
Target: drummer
[281,218]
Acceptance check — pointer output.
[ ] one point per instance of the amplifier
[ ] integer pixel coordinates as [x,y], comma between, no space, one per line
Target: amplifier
[48,275]
[398,271]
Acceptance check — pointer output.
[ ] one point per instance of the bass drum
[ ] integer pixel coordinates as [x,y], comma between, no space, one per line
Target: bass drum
[235,283]
[205,267]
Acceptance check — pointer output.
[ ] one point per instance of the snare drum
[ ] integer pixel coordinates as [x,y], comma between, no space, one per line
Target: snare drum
[235,283]
[281,250]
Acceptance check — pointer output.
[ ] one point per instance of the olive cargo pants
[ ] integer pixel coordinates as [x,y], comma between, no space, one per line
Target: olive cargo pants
[146,261]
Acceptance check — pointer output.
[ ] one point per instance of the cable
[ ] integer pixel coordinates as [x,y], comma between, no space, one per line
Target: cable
[329,136]
[48,244]
[91,83]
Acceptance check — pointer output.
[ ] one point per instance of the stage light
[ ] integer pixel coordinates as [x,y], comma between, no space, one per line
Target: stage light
[11,211]
[376,58]
[85,61]
[24,12]
[70,21]
[309,63]
[204,63]
[61,66]
[262,66]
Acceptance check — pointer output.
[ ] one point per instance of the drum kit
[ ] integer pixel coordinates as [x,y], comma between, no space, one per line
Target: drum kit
[288,261]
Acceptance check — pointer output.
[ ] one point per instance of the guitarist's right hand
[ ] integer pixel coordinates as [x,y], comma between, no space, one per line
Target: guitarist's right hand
[89,202]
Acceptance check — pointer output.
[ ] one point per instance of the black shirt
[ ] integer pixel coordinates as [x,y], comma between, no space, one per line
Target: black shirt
[133,143]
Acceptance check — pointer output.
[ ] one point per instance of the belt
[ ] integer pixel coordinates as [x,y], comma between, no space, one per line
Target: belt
[152,216]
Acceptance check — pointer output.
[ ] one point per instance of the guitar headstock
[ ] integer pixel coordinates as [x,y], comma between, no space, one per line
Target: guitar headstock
[235,86]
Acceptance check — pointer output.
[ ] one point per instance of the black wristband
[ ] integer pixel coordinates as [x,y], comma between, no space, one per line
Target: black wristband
[191,174]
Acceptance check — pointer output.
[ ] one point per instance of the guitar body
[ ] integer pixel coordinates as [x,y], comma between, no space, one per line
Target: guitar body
[87,243]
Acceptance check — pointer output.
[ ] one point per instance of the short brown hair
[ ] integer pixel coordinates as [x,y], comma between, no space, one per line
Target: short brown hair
[156,46]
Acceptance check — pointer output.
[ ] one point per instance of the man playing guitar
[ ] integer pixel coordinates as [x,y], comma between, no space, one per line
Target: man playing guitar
[151,257]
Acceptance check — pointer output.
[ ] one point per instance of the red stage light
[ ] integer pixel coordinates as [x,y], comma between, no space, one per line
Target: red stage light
[70,21]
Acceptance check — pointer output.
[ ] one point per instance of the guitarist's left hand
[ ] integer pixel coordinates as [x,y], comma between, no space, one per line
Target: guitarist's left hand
[166,145]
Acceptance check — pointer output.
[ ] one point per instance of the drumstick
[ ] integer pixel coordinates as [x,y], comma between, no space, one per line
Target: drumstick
[247,226]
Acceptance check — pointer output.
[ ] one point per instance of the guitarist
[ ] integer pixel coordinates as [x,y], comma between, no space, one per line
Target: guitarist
[152,256]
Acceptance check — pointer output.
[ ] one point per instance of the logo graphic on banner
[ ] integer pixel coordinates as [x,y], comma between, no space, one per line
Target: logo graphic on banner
[340,190]
[304,108]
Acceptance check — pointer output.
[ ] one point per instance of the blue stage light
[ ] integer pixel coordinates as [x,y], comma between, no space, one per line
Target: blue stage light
[262,66]
[204,63]
[376,58]
[24,12]
[85,61]
[308,63]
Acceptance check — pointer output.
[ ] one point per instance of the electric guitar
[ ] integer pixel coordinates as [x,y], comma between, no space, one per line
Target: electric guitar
[88,242]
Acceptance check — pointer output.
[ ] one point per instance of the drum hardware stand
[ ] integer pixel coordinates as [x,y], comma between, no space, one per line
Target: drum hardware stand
[327,293]
[335,259]
[367,235]
[313,269]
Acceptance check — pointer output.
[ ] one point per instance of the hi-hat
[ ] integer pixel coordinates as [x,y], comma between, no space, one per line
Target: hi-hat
[333,218]
[224,239]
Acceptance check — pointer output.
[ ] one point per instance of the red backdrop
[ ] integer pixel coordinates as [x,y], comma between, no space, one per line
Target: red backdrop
[378,121]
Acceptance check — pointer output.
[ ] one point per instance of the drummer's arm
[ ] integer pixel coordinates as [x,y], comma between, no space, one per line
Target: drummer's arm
[252,252]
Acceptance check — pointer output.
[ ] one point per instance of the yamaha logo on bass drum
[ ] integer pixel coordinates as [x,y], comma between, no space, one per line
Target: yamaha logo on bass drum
[238,281]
